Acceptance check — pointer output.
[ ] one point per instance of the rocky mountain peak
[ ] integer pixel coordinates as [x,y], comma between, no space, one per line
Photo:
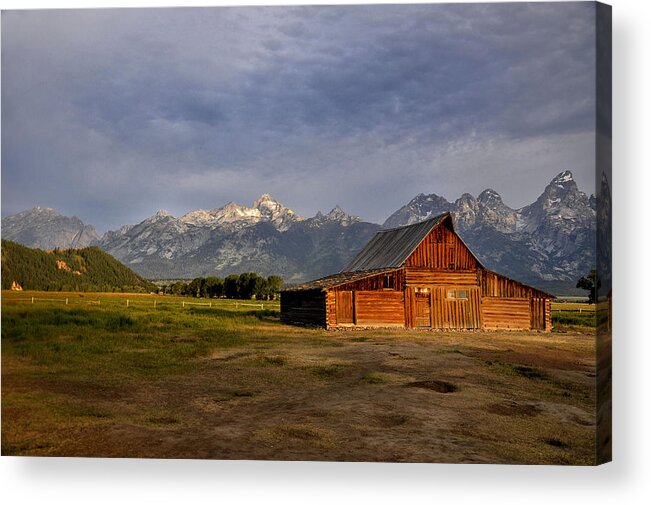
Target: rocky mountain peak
[465,212]
[46,228]
[265,200]
[563,178]
[272,210]
[338,215]
[490,198]
[420,207]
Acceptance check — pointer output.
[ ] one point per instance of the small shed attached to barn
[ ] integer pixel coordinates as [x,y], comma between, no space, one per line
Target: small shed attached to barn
[417,276]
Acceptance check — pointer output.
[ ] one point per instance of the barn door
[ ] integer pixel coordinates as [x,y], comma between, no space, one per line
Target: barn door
[456,308]
[344,301]
[423,308]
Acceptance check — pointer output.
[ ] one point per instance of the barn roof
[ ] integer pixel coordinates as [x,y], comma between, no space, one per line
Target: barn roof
[337,279]
[391,248]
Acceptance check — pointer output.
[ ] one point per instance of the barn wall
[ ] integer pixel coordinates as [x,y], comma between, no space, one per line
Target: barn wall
[442,249]
[456,313]
[331,309]
[494,284]
[374,283]
[305,307]
[379,308]
[506,313]
[420,276]
[548,314]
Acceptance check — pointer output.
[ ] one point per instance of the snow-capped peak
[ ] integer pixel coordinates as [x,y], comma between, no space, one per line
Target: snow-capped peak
[563,177]
[232,214]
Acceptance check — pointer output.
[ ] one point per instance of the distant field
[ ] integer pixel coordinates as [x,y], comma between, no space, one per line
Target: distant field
[232,382]
[573,313]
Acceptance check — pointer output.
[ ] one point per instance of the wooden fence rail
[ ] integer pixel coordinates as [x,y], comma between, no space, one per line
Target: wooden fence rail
[130,303]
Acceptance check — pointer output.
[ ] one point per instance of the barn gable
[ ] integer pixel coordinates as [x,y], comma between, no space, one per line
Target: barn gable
[391,248]
[433,243]
[442,249]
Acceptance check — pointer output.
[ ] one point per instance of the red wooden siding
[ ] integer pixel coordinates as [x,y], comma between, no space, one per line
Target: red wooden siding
[456,313]
[442,249]
[548,314]
[506,313]
[538,318]
[344,307]
[375,282]
[494,284]
[422,309]
[379,308]
[419,275]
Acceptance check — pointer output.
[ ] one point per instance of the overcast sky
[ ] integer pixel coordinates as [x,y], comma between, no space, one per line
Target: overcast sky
[111,115]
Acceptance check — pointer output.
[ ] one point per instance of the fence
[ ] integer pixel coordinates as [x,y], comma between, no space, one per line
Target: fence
[140,303]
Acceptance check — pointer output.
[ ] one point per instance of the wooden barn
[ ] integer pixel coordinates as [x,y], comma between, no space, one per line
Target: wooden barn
[417,276]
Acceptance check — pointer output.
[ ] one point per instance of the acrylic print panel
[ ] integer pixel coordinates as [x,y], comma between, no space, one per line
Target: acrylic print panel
[423,274]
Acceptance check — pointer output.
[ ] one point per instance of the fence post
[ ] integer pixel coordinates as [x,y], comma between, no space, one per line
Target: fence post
[66,301]
[154,303]
[32,299]
[262,306]
[235,304]
[183,304]
[127,302]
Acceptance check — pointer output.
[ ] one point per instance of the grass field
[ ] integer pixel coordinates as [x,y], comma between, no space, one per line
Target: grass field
[232,382]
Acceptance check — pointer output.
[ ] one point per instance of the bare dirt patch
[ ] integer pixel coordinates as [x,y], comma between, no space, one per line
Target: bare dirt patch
[514,409]
[433,385]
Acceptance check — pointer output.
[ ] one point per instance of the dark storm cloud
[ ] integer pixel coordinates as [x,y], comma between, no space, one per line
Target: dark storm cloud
[111,114]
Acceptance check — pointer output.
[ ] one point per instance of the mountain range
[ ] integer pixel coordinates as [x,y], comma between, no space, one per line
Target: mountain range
[549,243]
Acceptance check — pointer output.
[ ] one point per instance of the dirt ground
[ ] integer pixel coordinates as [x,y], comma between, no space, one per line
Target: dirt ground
[400,396]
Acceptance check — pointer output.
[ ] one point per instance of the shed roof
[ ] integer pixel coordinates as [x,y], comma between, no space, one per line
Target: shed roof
[337,279]
[391,248]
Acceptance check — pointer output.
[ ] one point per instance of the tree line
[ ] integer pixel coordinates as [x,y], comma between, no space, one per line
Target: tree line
[244,286]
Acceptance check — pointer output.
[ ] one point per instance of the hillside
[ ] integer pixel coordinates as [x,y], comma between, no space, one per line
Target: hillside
[87,269]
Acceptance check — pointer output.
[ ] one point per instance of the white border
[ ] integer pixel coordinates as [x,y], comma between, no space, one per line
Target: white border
[99,481]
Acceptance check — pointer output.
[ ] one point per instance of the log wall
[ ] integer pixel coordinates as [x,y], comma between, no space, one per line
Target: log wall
[304,307]
[380,308]
[375,282]
[548,314]
[506,313]
[420,276]
[494,284]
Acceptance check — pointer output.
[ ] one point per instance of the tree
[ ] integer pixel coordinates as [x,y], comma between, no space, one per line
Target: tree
[261,288]
[213,287]
[179,288]
[590,283]
[274,285]
[195,288]
[231,286]
[246,285]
